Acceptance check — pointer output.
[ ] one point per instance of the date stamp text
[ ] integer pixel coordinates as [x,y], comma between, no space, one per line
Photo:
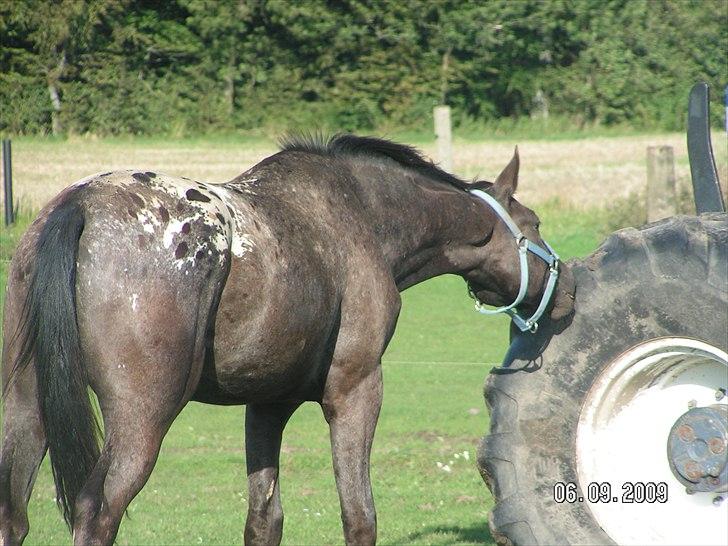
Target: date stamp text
[602,492]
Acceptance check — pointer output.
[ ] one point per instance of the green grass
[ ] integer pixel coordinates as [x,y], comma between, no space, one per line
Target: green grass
[433,412]
[9,237]
[553,128]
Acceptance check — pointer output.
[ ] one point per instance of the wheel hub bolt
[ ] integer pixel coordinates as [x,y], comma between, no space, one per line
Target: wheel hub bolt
[692,404]
[717,500]
[716,445]
[719,394]
[686,433]
[692,471]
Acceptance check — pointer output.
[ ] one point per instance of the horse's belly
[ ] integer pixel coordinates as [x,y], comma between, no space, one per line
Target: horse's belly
[273,333]
[246,379]
[269,367]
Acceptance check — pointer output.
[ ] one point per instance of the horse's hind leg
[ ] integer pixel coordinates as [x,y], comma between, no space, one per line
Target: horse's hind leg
[144,363]
[23,447]
[23,438]
[126,461]
[264,425]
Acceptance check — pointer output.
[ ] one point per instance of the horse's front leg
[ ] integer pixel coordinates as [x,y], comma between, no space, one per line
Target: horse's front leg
[351,407]
[264,425]
[352,395]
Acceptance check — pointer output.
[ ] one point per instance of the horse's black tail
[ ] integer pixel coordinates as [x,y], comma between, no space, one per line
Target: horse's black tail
[49,335]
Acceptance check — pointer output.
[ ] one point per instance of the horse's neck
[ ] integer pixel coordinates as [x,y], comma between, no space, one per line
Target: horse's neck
[422,226]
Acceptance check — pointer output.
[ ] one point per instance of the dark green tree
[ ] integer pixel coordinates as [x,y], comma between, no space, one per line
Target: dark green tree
[184,66]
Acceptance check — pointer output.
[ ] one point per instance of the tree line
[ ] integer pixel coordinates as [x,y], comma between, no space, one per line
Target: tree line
[195,66]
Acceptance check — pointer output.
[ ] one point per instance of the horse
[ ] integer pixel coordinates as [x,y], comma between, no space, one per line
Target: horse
[278,287]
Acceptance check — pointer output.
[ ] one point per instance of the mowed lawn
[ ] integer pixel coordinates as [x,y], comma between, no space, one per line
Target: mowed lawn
[426,484]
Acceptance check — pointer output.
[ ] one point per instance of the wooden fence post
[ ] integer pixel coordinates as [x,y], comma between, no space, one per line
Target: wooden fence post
[443,135]
[8,183]
[661,193]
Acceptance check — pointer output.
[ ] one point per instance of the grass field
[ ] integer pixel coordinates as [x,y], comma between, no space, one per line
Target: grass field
[434,369]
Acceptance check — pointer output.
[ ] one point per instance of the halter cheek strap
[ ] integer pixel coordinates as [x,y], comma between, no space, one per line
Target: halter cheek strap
[524,247]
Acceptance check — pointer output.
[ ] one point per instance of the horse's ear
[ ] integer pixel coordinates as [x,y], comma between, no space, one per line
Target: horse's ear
[507,182]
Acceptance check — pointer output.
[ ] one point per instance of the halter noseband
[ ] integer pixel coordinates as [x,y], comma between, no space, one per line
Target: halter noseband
[524,247]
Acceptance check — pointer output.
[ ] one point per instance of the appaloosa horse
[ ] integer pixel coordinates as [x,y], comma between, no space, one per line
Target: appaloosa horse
[275,288]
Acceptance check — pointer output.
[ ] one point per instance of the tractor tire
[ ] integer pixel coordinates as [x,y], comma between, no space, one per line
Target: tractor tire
[592,398]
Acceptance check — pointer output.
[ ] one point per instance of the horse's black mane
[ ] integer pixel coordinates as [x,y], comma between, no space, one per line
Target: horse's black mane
[352,145]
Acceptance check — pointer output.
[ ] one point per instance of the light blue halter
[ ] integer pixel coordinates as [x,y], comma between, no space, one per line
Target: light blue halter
[524,247]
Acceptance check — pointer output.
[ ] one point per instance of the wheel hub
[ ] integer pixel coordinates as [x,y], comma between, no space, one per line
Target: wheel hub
[629,431]
[697,449]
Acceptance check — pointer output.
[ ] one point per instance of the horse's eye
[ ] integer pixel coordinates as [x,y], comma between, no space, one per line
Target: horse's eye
[538,225]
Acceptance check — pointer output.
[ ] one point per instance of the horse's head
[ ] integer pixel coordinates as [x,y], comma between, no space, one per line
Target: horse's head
[496,276]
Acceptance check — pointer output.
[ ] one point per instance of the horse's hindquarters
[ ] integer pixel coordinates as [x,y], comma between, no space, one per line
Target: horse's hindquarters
[143,310]
[146,289]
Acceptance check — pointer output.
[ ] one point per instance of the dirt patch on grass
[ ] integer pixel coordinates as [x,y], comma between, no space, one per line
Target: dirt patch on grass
[42,169]
[587,172]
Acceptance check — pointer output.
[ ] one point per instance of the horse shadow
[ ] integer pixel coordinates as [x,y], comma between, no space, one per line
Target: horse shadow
[474,534]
